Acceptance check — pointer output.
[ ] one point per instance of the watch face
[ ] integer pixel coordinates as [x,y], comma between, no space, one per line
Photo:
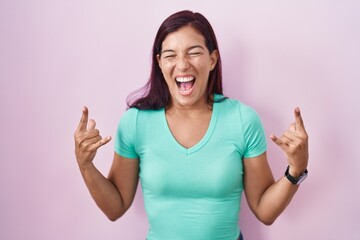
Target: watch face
[301,179]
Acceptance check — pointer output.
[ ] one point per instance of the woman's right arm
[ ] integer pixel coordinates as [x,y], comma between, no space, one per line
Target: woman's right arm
[113,195]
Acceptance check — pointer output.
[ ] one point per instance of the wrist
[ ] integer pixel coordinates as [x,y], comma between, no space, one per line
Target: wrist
[295,179]
[86,166]
[296,172]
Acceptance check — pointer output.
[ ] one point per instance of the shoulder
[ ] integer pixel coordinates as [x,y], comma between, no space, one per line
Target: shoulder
[238,107]
[134,112]
[139,117]
[129,115]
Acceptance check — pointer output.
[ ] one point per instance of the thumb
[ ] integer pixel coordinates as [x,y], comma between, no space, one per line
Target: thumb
[91,124]
[292,127]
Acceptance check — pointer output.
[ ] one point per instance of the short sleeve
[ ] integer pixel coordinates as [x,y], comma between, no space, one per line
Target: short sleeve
[254,134]
[125,138]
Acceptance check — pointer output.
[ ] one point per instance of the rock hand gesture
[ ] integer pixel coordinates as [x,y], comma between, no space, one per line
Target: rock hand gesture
[294,143]
[87,140]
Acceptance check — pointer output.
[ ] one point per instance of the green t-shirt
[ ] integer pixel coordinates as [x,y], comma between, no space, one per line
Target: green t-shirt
[192,193]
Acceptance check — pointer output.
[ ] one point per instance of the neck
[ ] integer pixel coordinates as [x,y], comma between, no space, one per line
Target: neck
[189,111]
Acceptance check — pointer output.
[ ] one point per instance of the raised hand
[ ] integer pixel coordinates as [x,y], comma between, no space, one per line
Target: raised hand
[294,143]
[87,140]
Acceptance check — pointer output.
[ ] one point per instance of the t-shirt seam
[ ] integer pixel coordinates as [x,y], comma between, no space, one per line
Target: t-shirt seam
[242,131]
[136,135]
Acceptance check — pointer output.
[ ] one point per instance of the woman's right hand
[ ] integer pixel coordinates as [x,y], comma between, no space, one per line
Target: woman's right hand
[87,140]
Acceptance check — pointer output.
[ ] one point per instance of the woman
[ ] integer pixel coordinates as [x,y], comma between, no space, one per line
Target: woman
[194,150]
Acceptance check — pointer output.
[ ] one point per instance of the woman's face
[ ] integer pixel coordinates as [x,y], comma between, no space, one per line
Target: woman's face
[186,63]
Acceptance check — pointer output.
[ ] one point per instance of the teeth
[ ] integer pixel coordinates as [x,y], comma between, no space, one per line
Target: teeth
[184,79]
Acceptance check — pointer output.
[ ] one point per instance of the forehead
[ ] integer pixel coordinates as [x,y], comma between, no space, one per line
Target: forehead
[184,37]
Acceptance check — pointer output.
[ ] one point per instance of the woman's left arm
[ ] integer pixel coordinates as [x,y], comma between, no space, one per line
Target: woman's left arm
[267,198]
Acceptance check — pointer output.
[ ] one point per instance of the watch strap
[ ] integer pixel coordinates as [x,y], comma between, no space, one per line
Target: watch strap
[293,180]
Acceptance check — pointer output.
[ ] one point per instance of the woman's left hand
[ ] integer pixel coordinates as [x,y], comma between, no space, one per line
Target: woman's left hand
[294,143]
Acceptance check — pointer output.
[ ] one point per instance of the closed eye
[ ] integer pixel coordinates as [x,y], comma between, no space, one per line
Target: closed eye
[169,56]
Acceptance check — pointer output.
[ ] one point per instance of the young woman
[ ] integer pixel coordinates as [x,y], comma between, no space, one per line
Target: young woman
[194,150]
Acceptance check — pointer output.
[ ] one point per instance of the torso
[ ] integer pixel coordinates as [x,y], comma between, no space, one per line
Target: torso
[191,170]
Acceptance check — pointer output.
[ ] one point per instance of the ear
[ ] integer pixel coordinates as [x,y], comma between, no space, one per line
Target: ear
[214,58]
[158,60]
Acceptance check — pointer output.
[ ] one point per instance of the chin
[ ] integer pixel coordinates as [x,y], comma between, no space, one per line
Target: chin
[187,101]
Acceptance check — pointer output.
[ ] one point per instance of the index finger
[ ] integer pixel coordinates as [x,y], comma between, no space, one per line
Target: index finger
[84,119]
[298,119]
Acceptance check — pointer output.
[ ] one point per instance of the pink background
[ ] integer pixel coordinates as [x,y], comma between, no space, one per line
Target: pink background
[56,56]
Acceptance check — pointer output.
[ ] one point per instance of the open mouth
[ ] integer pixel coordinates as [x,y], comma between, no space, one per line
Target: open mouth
[185,85]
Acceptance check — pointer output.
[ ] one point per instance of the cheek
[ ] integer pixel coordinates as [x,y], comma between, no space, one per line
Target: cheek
[204,70]
[166,69]
[203,65]
[167,77]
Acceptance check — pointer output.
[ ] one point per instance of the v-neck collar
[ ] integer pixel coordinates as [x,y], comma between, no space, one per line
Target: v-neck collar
[204,139]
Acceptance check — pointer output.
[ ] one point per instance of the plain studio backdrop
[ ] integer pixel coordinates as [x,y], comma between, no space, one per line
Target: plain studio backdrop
[56,56]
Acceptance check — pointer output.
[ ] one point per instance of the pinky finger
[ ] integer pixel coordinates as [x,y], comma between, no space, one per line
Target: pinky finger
[280,143]
[100,143]
[104,141]
[277,141]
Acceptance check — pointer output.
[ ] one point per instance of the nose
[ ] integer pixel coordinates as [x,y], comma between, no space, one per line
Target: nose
[182,63]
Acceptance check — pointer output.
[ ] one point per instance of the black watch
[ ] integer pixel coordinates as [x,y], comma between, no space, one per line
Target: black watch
[295,181]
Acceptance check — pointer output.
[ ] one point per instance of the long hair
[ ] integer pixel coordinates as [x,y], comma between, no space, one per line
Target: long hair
[155,94]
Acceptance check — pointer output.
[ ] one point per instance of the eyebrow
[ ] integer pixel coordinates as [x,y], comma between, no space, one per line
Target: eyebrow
[188,49]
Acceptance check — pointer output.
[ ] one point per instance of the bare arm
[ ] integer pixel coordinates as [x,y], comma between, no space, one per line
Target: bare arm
[267,198]
[113,195]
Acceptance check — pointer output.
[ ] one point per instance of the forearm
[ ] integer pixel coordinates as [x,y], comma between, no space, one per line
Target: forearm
[103,191]
[275,199]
